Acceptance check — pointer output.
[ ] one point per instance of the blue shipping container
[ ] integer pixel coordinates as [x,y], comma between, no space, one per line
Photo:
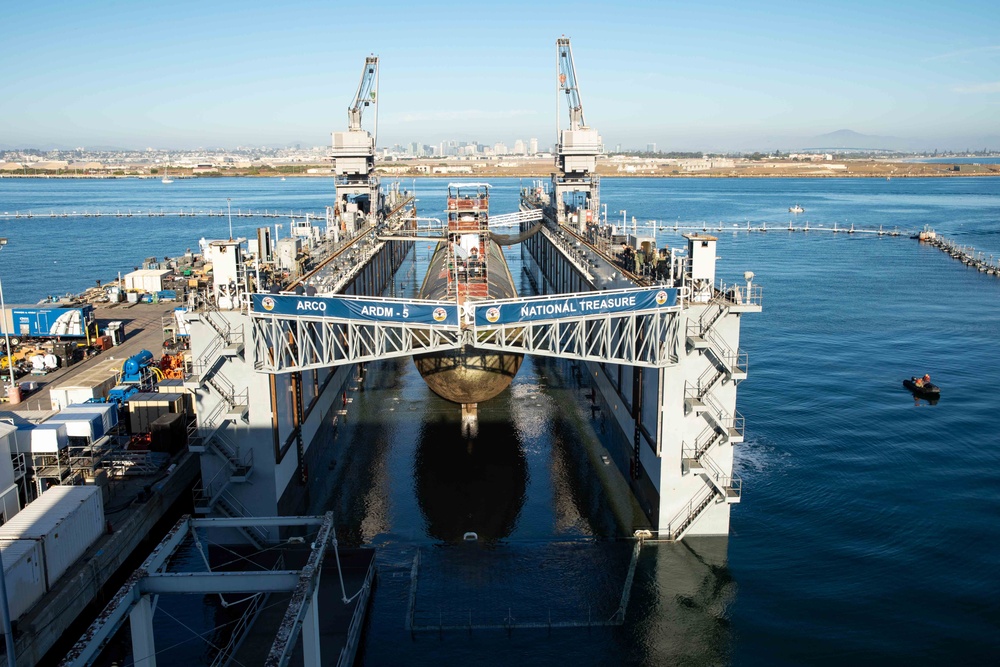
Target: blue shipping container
[108,411]
[51,321]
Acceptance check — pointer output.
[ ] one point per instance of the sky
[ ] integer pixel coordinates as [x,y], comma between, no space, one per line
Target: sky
[710,75]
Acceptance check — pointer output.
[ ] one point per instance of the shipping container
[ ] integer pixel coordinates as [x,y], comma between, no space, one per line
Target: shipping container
[87,425]
[21,443]
[48,438]
[176,386]
[108,412]
[94,382]
[7,437]
[9,501]
[48,321]
[146,280]
[24,574]
[67,520]
[145,407]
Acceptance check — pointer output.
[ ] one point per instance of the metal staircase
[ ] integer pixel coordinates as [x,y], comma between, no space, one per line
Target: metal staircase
[699,462]
[721,426]
[732,425]
[229,506]
[228,342]
[209,436]
[685,518]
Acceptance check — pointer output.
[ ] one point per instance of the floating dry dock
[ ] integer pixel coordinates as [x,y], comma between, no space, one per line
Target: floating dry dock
[278,330]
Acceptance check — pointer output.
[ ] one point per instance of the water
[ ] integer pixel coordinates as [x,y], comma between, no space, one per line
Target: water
[867,532]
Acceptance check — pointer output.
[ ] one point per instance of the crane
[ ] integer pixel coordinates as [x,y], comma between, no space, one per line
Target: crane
[567,83]
[359,198]
[367,95]
[575,184]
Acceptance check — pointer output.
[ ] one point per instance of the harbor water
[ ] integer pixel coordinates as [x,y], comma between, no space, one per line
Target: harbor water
[867,531]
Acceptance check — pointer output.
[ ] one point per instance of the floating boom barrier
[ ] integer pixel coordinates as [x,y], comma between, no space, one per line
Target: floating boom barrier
[966,254]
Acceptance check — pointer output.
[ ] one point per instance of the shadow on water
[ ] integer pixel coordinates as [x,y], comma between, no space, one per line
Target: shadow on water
[680,606]
[469,485]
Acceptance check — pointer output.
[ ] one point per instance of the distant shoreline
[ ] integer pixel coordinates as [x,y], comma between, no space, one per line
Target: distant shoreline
[536,175]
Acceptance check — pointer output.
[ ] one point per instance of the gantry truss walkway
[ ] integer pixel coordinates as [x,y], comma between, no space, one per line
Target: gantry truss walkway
[636,326]
[135,600]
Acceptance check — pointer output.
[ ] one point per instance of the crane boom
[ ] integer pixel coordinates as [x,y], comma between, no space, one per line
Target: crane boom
[367,95]
[567,83]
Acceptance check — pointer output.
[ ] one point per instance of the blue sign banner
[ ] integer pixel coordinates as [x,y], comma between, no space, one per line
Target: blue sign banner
[596,303]
[349,308]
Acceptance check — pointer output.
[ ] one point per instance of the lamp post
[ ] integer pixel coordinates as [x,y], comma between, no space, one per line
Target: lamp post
[4,608]
[229,206]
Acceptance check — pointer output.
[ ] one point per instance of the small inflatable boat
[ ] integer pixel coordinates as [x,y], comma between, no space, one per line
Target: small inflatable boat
[925,389]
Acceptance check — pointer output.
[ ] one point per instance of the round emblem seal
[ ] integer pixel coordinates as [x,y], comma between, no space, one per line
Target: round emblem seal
[661,298]
[439,314]
[493,314]
[267,302]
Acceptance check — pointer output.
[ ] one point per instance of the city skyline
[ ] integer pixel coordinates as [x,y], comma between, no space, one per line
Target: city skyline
[722,78]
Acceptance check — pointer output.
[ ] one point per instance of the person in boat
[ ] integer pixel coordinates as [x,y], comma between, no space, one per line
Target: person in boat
[925,380]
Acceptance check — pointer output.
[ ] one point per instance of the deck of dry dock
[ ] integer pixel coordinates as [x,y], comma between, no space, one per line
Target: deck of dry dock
[143,331]
[132,513]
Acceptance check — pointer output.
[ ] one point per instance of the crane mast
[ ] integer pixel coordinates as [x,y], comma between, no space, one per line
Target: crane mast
[359,197]
[575,183]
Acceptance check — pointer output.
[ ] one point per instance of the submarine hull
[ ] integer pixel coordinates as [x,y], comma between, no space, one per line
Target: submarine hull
[468,375]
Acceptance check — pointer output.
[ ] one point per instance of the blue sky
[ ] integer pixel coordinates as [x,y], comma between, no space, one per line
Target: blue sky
[685,75]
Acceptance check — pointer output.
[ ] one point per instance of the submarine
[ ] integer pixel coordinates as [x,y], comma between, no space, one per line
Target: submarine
[468,266]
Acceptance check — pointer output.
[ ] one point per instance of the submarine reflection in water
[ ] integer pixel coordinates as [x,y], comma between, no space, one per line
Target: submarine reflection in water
[464,485]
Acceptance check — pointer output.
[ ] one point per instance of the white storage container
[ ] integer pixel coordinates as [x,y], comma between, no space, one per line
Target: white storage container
[8,438]
[67,520]
[23,571]
[108,412]
[146,280]
[63,396]
[89,425]
[21,444]
[93,382]
[48,438]
[8,447]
